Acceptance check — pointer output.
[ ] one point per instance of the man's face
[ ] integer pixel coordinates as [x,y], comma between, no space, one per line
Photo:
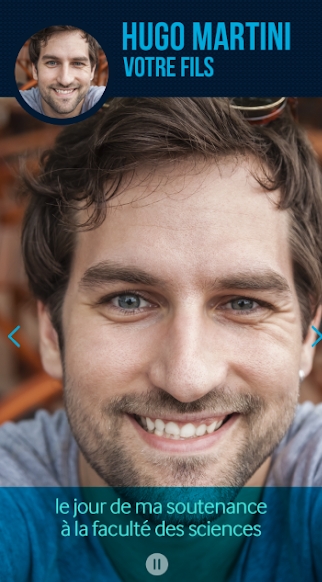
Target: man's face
[64,74]
[182,331]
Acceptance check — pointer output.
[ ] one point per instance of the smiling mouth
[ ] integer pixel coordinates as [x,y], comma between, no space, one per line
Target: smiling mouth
[179,430]
[64,91]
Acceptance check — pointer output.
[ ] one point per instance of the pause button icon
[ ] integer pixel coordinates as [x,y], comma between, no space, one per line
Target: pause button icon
[157,564]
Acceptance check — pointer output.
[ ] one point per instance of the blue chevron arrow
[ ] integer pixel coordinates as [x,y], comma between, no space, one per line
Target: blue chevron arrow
[13,340]
[319,338]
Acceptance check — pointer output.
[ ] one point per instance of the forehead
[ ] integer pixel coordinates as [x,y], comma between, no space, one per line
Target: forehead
[192,223]
[65,44]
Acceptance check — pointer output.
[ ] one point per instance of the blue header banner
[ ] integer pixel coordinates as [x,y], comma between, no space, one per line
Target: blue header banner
[177,48]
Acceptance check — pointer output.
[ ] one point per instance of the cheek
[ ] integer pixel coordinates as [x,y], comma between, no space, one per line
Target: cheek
[46,77]
[269,368]
[84,77]
[108,358]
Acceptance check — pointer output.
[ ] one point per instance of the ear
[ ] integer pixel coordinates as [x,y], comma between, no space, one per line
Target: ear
[34,72]
[93,72]
[308,352]
[49,346]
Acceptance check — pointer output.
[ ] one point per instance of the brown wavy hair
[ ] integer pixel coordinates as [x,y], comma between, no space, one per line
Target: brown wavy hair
[40,39]
[90,160]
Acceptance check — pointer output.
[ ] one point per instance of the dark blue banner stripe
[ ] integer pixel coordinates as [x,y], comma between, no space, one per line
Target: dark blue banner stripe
[238,58]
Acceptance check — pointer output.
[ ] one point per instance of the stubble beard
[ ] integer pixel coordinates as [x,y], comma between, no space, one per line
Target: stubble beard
[62,106]
[100,439]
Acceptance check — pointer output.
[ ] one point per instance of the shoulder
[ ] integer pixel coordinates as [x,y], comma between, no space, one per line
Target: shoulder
[297,461]
[32,98]
[93,96]
[39,452]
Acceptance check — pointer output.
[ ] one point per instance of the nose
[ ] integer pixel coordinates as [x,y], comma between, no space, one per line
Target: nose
[65,75]
[189,361]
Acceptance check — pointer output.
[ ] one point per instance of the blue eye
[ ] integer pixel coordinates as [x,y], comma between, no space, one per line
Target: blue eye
[129,302]
[243,304]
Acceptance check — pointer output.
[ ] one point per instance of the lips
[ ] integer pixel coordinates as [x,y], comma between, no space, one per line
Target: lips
[64,92]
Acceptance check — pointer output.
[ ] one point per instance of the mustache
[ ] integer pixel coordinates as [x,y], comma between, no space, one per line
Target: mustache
[157,401]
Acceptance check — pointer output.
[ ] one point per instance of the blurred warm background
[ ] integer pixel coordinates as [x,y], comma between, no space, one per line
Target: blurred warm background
[24,387]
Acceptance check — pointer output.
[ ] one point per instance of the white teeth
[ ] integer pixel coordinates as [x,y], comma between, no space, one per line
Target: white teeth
[211,427]
[150,423]
[65,92]
[158,432]
[214,426]
[159,425]
[201,430]
[187,431]
[172,428]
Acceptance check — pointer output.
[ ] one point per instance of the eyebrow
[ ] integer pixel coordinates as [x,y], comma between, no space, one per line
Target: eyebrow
[108,272]
[55,58]
[267,280]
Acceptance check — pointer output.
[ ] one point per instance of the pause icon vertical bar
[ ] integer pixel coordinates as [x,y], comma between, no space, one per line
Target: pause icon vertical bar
[157,564]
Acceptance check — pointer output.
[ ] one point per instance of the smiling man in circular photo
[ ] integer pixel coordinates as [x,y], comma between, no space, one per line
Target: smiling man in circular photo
[63,61]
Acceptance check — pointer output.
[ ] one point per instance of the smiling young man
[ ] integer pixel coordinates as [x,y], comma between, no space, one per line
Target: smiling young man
[176,255]
[64,60]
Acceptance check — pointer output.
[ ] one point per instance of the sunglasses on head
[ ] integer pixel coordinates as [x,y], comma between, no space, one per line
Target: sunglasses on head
[257,110]
[262,110]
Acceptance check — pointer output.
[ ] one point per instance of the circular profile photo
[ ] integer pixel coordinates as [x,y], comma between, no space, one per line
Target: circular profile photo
[61,73]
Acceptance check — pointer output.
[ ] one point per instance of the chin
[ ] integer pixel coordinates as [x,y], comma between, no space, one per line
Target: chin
[161,503]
